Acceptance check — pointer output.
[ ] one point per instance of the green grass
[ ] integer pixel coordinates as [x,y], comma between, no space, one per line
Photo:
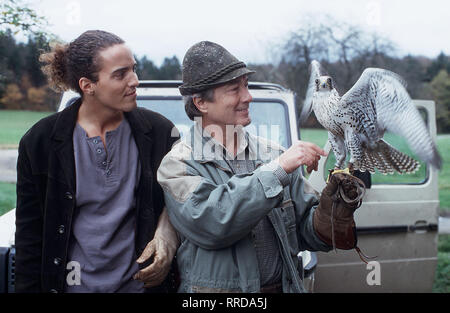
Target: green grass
[7,197]
[317,136]
[443,142]
[442,278]
[14,124]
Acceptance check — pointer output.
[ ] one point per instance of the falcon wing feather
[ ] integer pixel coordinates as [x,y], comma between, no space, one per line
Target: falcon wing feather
[380,98]
[315,73]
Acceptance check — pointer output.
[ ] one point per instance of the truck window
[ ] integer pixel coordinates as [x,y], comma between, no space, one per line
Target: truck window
[269,118]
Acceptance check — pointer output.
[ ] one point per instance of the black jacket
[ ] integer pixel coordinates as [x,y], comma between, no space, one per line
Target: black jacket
[46,194]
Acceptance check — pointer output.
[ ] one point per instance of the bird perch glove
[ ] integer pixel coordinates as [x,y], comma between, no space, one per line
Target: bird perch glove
[333,217]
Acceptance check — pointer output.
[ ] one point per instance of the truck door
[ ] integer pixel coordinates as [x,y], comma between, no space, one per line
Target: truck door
[397,222]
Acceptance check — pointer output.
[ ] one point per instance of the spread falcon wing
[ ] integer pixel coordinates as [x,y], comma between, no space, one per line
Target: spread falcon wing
[315,72]
[380,101]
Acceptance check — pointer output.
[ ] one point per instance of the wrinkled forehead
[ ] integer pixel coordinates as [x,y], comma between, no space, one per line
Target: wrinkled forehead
[238,80]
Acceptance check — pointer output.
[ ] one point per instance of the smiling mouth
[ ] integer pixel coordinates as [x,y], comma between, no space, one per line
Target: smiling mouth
[131,94]
[242,110]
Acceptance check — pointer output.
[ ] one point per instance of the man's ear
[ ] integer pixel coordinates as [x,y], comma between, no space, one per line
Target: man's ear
[86,86]
[201,104]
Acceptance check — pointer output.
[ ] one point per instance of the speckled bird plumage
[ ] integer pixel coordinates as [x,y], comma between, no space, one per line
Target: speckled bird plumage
[357,121]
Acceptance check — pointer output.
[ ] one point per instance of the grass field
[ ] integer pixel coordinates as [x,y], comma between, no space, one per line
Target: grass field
[442,277]
[14,124]
[443,142]
[7,197]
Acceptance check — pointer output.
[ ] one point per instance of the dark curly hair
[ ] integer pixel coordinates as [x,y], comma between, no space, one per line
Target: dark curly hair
[67,63]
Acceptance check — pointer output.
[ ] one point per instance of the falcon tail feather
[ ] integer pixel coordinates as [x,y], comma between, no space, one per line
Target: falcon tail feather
[387,160]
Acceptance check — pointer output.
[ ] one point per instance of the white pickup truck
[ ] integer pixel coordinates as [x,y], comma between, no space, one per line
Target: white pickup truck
[397,221]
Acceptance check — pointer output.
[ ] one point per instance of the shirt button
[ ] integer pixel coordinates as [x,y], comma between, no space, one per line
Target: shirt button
[108,172]
[57,261]
[99,151]
[61,229]
[68,196]
[104,163]
[95,141]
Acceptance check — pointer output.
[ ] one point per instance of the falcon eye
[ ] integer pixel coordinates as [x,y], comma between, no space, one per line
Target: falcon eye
[317,81]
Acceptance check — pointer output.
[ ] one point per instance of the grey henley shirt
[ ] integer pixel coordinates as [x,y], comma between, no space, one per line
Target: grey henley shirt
[103,228]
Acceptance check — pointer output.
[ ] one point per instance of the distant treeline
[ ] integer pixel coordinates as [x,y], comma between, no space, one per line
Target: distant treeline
[23,86]
[343,49]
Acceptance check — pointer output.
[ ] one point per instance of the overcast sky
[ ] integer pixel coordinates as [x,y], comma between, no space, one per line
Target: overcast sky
[250,29]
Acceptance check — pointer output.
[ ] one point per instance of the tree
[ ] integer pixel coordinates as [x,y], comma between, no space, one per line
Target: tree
[12,98]
[414,72]
[7,57]
[440,87]
[266,73]
[146,69]
[442,62]
[170,69]
[36,98]
[343,49]
[309,42]
[35,46]
[18,17]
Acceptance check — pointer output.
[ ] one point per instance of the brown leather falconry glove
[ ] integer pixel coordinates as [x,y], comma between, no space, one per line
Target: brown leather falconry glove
[333,217]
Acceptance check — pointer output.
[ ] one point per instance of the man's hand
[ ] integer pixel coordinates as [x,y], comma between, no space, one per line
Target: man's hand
[163,252]
[163,248]
[333,218]
[301,153]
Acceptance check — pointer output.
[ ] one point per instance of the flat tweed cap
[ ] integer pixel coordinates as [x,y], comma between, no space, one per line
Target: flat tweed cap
[207,64]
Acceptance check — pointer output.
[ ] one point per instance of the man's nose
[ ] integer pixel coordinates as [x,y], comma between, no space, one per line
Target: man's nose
[246,96]
[134,82]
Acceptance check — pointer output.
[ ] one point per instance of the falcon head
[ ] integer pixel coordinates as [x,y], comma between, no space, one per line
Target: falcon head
[324,83]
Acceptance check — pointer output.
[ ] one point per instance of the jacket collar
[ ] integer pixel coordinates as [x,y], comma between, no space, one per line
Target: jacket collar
[141,129]
[254,148]
[62,135]
[65,123]
[203,136]
[138,122]
[206,149]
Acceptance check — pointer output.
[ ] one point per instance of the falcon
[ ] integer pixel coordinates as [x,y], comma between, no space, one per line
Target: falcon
[356,122]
